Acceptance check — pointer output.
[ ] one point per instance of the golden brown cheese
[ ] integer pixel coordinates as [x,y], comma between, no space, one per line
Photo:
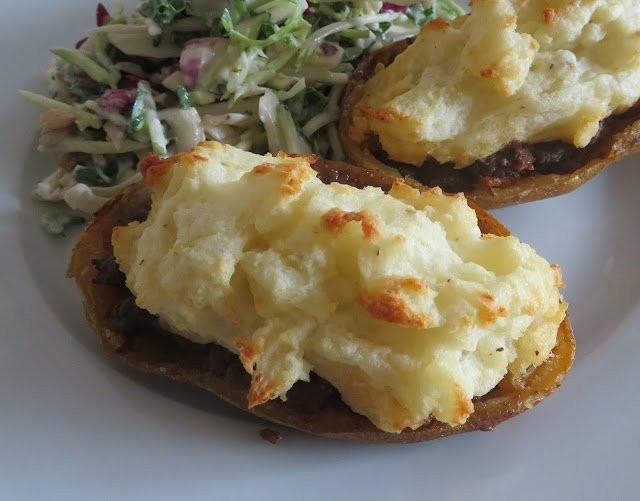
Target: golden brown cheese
[513,70]
[399,301]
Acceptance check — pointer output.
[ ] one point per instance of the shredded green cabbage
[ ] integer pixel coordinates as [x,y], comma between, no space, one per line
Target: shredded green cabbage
[263,75]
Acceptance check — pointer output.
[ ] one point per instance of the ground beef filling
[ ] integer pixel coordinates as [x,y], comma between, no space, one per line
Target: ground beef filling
[143,332]
[515,161]
[343,173]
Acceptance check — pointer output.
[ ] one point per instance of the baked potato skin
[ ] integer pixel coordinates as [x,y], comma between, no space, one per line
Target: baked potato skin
[528,189]
[334,421]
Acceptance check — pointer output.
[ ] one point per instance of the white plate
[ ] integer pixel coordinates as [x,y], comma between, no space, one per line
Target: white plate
[76,426]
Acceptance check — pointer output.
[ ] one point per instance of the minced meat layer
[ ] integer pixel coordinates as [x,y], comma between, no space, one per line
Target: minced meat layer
[515,161]
[142,329]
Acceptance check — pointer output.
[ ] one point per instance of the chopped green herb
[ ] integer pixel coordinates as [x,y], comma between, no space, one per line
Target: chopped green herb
[336,11]
[163,12]
[183,96]
[291,23]
[56,222]
[94,175]
[86,91]
[419,14]
[341,6]
[306,104]
[381,34]
[266,29]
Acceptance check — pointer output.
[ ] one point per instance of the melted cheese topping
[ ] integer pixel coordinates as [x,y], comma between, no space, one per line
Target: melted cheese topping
[398,301]
[525,70]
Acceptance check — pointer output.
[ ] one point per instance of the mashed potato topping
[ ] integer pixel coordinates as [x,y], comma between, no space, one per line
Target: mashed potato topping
[525,70]
[399,301]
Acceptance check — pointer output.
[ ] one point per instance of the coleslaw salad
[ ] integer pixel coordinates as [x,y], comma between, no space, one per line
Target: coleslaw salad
[262,75]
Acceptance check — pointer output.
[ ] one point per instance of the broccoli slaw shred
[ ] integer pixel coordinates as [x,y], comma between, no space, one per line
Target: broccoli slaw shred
[261,75]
